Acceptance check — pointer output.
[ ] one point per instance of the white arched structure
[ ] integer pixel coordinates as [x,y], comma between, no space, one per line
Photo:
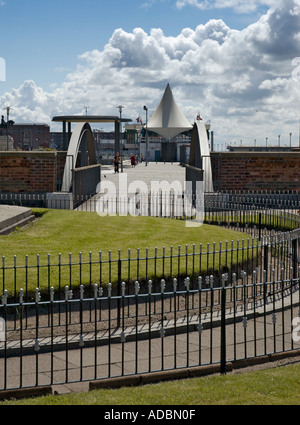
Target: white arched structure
[200,154]
[82,138]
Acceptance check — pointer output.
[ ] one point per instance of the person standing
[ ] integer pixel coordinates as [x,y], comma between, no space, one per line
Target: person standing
[132,160]
[116,162]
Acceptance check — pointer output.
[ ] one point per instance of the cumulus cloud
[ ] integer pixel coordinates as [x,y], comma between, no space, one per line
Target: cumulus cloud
[244,81]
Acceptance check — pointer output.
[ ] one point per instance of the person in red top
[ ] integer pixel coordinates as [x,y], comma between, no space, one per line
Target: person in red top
[132,160]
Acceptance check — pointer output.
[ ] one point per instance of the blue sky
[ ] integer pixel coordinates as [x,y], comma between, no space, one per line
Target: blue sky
[231,59]
[41,39]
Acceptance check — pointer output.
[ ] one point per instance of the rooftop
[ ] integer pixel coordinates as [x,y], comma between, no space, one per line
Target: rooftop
[90,118]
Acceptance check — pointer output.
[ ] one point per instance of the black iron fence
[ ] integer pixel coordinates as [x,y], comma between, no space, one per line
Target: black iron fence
[107,336]
[119,314]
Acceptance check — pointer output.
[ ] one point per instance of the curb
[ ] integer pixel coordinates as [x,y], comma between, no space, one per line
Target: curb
[198,371]
[25,393]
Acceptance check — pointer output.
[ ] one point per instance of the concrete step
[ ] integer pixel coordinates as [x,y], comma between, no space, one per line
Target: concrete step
[12,217]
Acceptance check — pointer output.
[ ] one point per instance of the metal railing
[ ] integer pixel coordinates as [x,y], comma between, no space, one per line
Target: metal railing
[87,341]
[118,314]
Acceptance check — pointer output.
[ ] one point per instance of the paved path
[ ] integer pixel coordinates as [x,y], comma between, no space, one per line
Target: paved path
[153,172]
[12,217]
[140,177]
[153,178]
[266,332]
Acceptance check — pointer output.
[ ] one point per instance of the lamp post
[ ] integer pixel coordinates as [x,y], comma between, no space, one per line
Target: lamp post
[147,140]
[7,124]
[266,141]
[279,140]
[120,107]
[291,139]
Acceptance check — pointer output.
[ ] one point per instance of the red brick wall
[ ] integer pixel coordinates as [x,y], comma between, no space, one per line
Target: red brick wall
[30,172]
[256,171]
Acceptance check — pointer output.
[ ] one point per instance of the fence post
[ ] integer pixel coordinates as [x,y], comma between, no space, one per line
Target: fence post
[295,257]
[223,326]
[119,288]
[266,259]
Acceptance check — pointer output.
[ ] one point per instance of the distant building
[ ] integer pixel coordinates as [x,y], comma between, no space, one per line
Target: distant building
[56,140]
[30,137]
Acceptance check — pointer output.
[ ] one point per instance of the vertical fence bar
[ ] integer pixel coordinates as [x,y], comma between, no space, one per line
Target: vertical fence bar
[81,341]
[109,289]
[119,291]
[123,337]
[52,334]
[4,304]
[66,333]
[223,326]
[211,281]
[21,336]
[234,315]
[137,289]
[265,288]
[175,321]
[187,286]
[36,344]
[149,324]
[162,330]
[95,331]
[200,326]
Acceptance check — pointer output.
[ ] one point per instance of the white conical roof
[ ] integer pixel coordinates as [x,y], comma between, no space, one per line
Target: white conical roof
[168,120]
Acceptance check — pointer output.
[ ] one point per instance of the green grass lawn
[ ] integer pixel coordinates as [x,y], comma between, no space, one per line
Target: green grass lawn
[279,386]
[68,232]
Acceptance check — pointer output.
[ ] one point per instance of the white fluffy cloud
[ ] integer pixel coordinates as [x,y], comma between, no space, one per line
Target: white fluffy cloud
[241,80]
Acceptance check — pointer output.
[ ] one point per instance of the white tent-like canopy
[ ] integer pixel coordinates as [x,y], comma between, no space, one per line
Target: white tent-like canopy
[168,120]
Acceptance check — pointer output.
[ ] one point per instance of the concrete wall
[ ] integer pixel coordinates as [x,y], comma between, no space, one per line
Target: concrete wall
[256,170]
[31,172]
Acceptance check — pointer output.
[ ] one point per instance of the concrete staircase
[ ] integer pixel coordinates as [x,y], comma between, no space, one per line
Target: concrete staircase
[12,217]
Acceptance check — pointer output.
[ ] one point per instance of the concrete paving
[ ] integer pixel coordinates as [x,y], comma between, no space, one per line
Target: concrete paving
[144,179]
[12,217]
[148,175]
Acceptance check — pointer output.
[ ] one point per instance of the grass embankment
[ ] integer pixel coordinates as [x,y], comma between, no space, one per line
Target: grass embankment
[69,232]
[280,386]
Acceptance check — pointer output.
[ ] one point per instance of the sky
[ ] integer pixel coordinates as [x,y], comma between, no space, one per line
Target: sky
[235,62]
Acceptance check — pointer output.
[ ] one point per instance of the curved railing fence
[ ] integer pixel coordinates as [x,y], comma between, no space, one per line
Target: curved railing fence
[128,314]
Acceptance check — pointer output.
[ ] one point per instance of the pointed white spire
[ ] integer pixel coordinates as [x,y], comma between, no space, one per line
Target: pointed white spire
[168,120]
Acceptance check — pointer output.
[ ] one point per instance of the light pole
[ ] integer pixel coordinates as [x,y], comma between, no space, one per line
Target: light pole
[120,107]
[7,124]
[279,140]
[266,141]
[147,141]
[291,139]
